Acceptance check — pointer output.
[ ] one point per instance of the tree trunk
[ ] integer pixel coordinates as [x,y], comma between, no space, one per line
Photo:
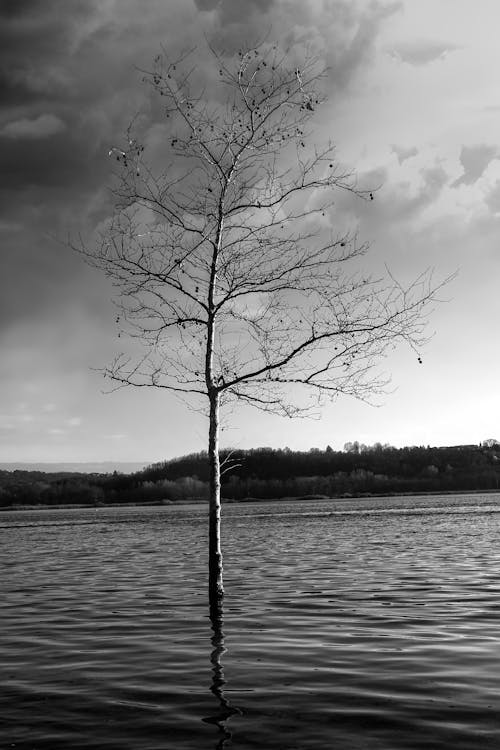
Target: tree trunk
[215,582]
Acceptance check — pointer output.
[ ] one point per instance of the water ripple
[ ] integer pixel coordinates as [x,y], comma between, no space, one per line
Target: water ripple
[351,624]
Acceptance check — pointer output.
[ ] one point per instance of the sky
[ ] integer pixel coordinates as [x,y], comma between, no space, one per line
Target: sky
[413,105]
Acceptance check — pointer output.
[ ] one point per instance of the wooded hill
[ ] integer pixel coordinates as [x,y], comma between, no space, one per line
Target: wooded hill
[267,473]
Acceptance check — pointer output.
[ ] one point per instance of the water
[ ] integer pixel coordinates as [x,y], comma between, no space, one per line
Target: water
[347,624]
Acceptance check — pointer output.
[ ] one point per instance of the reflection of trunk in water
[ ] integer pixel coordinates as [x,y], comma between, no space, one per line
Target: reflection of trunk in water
[218,681]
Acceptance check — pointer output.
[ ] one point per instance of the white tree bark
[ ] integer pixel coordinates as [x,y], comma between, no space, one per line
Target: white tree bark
[215,582]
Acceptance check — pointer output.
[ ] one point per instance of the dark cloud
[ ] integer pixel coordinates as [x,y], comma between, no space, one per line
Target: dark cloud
[39,273]
[16,8]
[355,47]
[475,160]
[29,165]
[70,85]
[206,5]
[341,32]
[42,126]
[35,45]
[234,11]
[51,94]
[70,82]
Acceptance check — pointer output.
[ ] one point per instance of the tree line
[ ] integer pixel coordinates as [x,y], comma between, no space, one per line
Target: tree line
[268,473]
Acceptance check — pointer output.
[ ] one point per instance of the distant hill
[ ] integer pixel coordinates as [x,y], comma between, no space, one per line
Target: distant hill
[97,467]
[259,473]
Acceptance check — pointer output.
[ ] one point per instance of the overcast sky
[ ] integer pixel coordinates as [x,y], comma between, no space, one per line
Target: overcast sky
[414,105]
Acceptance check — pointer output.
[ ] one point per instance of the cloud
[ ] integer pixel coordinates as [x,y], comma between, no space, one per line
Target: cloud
[475,160]
[69,72]
[342,33]
[435,178]
[69,83]
[16,421]
[396,204]
[19,8]
[492,199]
[235,11]
[35,40]
[78,61]
[206,5]
[404,153]
[7,422]
[421,52]
[69,86]
[404,205]
[42,126]
[10,226]
[354,47]
[56,431]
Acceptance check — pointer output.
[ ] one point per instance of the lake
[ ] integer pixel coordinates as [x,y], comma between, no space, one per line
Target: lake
[348,624]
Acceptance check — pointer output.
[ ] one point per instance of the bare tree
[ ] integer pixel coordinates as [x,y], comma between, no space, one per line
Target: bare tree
[227,265]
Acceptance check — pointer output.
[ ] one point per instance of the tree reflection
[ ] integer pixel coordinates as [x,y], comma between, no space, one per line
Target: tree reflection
[225,709]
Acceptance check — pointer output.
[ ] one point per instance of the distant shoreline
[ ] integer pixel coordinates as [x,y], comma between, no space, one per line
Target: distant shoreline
[231,501]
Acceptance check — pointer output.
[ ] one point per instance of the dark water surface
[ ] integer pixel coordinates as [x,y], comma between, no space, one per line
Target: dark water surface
[368,624]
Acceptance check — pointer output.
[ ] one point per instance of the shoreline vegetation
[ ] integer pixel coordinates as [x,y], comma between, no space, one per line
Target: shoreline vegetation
[263,474]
